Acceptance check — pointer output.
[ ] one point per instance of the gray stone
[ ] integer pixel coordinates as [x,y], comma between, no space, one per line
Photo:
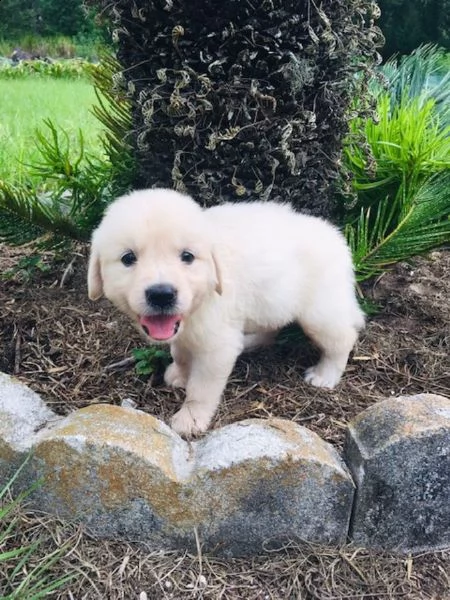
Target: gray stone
[266,482]
[22,415]
[399,453]
[127,475]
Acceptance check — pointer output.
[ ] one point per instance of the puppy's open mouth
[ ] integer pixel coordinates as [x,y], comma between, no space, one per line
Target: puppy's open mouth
[160,327]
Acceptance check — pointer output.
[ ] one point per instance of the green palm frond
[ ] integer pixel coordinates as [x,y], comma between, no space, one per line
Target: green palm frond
[396,230]
[70,202]
[409,141]
[26,217]
[114,112]
[68,189]
[419,75]
[15,229]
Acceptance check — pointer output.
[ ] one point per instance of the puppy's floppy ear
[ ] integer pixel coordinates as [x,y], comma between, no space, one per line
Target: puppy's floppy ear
[217,273]
[95,281]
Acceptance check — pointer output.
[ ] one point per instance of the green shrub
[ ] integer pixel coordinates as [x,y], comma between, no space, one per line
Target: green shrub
[63,69]
[83,46]
[78,186]
[400,164]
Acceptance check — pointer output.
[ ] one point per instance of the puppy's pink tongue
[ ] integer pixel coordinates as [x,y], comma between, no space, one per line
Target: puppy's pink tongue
[160,327]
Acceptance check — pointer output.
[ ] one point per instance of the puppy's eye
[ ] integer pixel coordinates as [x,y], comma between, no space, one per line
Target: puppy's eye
[128,258]
[187,257]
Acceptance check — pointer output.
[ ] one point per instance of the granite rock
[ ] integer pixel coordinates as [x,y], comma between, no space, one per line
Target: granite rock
[23,414]
[249,485]
[399,453]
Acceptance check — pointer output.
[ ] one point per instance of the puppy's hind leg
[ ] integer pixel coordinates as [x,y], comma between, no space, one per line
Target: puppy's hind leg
[335,341]
[252,341]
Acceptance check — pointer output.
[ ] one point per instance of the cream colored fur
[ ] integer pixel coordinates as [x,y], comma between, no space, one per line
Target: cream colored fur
[258,266]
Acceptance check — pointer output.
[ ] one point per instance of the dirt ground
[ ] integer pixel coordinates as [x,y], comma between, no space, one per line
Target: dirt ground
[67,348]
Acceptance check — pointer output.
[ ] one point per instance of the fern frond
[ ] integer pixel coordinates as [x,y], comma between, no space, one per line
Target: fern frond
[400,166]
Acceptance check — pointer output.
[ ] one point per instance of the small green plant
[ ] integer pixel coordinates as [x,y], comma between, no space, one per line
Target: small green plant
[26,267]
[25,103]
[25,571]
[400,166]
[150,359]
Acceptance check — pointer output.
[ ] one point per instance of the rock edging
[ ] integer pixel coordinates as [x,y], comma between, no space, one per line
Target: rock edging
[243,488]
[399,454]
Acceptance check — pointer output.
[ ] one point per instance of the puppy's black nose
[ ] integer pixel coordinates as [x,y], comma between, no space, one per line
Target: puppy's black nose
[161,295]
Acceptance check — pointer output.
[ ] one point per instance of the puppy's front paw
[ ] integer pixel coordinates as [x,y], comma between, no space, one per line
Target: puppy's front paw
[190,420]
[321,376]
[174,376]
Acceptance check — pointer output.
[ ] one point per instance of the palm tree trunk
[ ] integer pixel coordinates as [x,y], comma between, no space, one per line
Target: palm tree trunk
[243,99]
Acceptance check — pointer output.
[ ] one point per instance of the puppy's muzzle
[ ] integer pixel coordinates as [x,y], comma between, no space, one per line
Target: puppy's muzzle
[162,320]
[162,296]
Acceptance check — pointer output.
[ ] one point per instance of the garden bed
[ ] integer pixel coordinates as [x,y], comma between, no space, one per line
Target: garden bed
[65,347]
[62,346]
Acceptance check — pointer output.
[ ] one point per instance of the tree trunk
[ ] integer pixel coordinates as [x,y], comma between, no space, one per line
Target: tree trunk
[243,99]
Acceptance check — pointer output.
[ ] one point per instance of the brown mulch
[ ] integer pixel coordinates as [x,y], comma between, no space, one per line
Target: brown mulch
[62,345]
[110,570]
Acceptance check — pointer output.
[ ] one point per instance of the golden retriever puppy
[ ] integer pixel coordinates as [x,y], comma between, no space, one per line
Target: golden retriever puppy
[213,282]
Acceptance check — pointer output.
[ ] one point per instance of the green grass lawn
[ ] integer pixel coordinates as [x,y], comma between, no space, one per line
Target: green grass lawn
[24,104]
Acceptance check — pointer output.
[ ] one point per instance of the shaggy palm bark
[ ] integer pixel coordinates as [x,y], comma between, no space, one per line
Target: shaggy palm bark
[243,100]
